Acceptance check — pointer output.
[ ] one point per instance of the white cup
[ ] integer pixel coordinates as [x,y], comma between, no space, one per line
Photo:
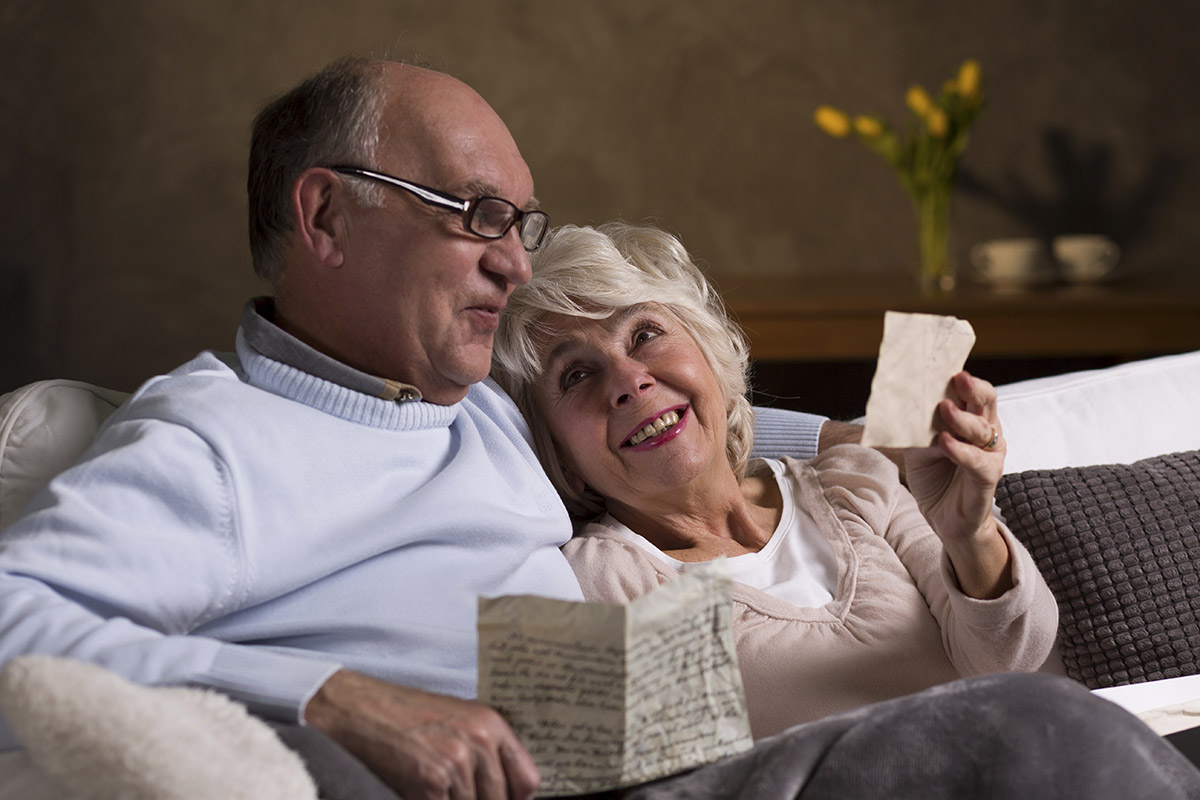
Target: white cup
[1086,257]
[1011,261]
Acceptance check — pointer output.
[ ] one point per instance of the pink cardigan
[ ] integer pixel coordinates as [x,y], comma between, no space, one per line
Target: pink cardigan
[898,623]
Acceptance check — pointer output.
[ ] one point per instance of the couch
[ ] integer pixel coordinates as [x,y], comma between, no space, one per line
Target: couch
[1102,484]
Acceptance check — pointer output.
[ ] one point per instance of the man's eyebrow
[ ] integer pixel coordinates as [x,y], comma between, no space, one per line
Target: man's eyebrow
[480,188]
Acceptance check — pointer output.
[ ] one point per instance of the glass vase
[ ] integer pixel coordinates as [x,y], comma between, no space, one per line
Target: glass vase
[935,270]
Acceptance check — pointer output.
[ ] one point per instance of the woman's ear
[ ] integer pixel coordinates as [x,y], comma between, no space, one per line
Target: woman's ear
[317,204]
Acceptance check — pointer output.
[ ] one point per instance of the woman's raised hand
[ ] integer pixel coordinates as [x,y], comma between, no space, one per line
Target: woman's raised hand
[954,482]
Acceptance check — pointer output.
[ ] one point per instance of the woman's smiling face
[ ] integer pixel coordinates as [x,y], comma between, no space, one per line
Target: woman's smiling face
[632,404]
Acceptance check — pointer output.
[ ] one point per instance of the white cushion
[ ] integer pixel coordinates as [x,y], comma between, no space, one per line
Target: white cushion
[99,736]
[44,428]
[1107,416]
[21,779]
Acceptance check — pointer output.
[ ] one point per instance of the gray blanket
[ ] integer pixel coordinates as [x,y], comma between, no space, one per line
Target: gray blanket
[1000,736]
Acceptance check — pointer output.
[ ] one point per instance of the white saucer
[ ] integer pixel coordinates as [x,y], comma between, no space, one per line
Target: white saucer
[1016,283]
[1111,275]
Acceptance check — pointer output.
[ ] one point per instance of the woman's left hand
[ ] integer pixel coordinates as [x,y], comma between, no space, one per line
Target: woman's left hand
[954,482]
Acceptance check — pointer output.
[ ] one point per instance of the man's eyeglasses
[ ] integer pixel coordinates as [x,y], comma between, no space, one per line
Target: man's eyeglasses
[489,217]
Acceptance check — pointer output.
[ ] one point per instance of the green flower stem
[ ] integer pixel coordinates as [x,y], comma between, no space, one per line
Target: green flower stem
[933,234]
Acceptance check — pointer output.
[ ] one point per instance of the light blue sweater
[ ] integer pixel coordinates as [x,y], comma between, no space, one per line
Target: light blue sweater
[338,530]
[247,526]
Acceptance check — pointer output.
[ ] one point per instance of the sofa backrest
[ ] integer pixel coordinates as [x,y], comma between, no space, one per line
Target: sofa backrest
[44,428]
[1116,415]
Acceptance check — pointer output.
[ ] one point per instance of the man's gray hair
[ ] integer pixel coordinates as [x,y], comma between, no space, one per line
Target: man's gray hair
[332,118]
[595,273]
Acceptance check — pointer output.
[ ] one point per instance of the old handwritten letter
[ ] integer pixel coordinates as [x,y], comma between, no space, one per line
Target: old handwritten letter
[607,696]
[918,356]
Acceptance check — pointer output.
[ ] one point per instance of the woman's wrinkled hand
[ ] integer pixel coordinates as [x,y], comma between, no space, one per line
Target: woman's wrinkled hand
[954,482]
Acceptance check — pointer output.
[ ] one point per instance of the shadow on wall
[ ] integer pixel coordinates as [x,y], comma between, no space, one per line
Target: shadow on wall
[1082,201]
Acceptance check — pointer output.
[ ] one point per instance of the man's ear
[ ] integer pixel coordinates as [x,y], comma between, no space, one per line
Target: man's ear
[318,206]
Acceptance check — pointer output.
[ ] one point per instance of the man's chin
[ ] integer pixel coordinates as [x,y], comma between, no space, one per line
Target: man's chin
[446,394]
[454,383]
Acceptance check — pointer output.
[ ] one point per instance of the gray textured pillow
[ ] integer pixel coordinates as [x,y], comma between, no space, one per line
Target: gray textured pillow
[1119,547]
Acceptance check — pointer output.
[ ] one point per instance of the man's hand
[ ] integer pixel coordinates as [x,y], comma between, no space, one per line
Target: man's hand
[834,433]
[423,745]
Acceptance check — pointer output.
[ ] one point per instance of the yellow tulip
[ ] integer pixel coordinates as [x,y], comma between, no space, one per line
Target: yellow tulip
[937,122]
[833,121]
[969,78]
[868,127]
[919,101]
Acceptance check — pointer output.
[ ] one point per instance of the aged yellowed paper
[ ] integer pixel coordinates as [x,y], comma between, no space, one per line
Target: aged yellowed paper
[606,696]
[918,356]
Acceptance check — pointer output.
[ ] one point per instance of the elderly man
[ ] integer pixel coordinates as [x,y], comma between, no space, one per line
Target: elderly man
[305,525]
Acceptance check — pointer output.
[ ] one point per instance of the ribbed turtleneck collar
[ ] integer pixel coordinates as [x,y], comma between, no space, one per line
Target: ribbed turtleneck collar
[274,342]
[280,363]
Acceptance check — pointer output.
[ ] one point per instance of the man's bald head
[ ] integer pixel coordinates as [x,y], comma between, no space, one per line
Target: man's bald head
[431,122]
[377,275]
[349,113]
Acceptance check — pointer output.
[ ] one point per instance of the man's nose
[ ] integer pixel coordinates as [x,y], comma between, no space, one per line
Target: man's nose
[506,258]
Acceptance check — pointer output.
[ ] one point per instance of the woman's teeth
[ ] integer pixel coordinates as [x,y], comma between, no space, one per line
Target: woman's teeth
[658,426]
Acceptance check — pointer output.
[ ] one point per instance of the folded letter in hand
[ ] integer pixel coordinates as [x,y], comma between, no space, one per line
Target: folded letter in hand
[919,355]
[606,696]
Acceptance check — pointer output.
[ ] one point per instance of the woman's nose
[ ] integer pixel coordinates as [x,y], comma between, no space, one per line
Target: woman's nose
[628,379]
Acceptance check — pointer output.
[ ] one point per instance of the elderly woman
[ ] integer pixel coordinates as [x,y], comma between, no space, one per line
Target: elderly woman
[848,589]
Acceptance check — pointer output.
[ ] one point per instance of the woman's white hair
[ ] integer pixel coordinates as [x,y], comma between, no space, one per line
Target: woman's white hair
[595,273]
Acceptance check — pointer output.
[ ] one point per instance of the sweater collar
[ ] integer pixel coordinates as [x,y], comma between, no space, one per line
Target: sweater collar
[263,335]
[276,361]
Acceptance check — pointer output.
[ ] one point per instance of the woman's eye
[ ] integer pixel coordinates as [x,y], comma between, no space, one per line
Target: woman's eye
[570,377]
[645,335]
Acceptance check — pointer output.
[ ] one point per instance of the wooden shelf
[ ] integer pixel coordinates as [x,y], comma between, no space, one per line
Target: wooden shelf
[818,318]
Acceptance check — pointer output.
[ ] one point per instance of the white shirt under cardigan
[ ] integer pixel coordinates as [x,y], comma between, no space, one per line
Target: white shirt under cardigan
[249,525]
[796,565]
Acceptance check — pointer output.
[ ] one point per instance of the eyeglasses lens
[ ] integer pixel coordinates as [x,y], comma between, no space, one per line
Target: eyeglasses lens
[533,228]
[492,217]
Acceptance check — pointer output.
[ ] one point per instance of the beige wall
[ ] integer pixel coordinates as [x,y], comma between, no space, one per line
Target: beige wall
[123,130]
